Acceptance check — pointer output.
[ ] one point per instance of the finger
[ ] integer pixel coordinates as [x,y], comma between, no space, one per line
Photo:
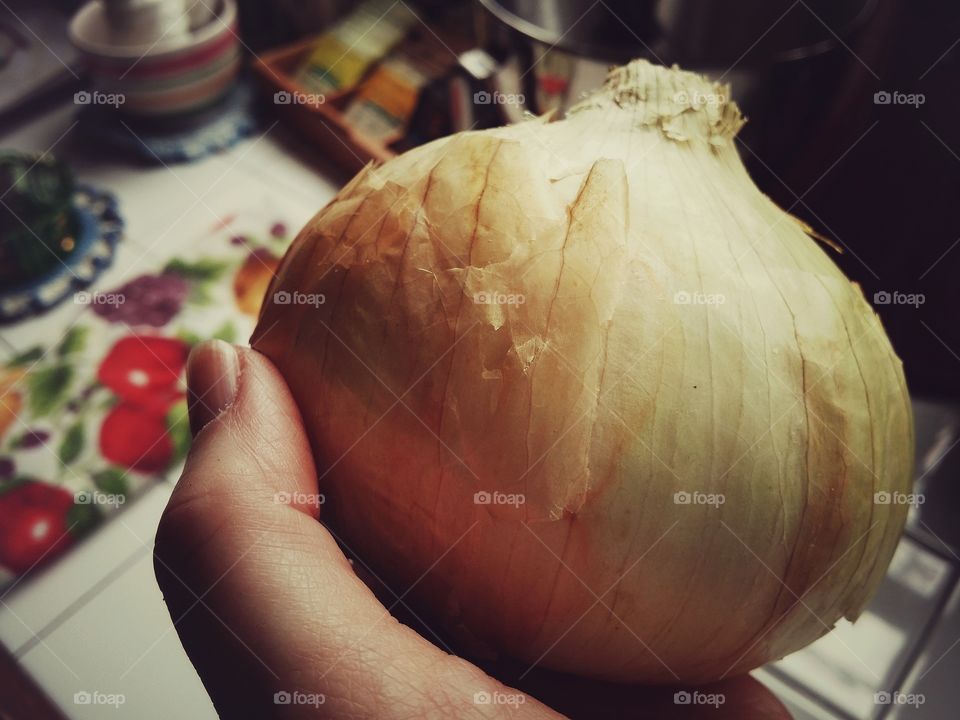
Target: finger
[262,597]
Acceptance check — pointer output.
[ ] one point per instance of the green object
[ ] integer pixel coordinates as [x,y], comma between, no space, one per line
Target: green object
[202,270]
[38,227]
[72,444]
[27,357]
[73,341]
[112,480]
[226,332]
[178,427]
[48,387]
[82,518]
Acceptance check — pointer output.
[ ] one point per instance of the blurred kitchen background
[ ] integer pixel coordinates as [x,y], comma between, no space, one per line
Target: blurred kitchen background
[157,156]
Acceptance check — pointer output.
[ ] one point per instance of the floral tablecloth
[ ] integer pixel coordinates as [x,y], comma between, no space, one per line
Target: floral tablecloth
[89,419]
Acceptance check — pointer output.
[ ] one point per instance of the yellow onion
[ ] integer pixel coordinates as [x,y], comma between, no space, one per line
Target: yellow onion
[593,397]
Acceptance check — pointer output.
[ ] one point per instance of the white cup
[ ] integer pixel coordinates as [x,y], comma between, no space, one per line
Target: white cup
[200,12]
[160,23]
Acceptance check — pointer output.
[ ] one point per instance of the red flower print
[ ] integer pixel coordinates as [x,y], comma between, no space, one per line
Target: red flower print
[135,439]
[33,525]
[144,371]
[141,367]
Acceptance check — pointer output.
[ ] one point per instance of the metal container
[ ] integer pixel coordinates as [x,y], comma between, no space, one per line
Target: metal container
[693,33]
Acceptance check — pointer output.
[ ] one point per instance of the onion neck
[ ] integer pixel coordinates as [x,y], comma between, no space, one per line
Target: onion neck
[686,107]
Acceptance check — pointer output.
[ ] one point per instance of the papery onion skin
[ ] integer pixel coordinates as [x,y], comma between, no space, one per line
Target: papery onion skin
[670,331]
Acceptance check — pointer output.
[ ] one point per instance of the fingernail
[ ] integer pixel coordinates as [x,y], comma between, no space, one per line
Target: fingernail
[213,376]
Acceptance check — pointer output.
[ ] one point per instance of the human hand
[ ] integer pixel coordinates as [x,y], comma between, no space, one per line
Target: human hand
[266,603]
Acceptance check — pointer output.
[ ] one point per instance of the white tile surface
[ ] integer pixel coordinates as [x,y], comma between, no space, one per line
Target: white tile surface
[124,644]
[852,663]
[27,611]
[930,693]
[848,665]
[81,625]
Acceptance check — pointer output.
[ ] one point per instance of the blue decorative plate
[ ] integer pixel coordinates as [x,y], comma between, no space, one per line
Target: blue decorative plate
[99,228]
[176,138]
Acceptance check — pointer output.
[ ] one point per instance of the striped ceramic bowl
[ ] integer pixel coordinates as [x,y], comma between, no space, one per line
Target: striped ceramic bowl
[160,78]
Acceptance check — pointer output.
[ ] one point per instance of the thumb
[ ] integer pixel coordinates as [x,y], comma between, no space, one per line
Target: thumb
[263,599]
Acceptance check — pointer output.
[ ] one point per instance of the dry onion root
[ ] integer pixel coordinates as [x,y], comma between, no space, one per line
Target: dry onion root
[600,401]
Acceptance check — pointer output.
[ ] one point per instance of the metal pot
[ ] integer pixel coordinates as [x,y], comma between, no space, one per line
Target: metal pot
[694,33]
